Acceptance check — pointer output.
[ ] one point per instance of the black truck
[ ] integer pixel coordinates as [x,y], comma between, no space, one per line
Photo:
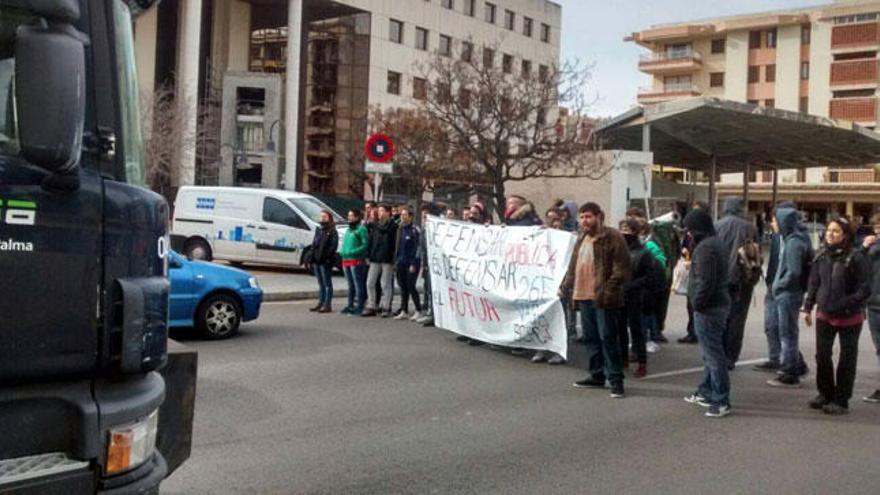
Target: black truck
[84,291]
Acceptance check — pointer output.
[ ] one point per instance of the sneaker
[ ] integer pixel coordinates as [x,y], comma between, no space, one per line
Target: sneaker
[785,381]
[539,357]
[346,310]
[661,339]
[401,315]
[804,371]
[688,339]
[325,309]
[369,312]
[834,409]
[769,366]
[315,309]
[697,399]
[589,383]
[641,371]
[475,343]
[423,319]
[416,316]
[617,391]
[717,411]
[873,398]
[387,313]
[818,402]
[652,347]
[556,359]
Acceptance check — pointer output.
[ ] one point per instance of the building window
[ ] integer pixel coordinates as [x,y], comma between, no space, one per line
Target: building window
[394,82]
[467,51]
[470,7]
[718,45]
[805,71]
[770,73]
[679,50]
[526,69]
[716,80]
[421,38]
[395,31]
[802,175]
[448,4]
[677,84]
[805,34]
[804,105]
[527,26]
[488,57]
[420,88]
[509,20]
[545,33]
[489,11]
[543,73]
[771,38]
[445,45]
[754,40]
[752,102]
[770,103]
[754,72]
[507,63]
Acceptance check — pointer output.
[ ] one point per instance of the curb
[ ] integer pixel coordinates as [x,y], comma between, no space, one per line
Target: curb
[299,295]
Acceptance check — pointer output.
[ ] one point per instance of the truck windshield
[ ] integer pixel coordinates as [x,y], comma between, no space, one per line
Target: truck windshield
[10,18]
[132,139]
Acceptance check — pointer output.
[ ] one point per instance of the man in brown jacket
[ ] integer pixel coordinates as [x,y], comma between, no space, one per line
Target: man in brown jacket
[599,268]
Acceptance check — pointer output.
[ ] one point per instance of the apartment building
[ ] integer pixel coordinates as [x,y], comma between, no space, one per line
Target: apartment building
[300,76]
[821,60]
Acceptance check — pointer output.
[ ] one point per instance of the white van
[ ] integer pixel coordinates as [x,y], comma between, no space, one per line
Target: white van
[238,224]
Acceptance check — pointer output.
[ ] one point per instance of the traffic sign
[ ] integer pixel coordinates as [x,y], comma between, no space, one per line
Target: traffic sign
[378,168]
[379,148]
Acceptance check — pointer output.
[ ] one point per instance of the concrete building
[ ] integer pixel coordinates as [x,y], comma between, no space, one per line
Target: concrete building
[332,61]
[821,60]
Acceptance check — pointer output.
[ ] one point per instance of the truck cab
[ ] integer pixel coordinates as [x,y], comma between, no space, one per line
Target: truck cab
[83,249]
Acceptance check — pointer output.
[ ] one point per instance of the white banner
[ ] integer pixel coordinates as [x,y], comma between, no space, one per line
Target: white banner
[499,284]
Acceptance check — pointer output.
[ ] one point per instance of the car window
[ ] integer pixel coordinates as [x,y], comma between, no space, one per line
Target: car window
[275,211]
[312,207]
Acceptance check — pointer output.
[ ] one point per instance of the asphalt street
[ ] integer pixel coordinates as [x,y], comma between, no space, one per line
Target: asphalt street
[301,403]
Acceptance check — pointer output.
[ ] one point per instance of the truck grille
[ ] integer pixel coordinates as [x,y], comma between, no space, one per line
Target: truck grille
[37,466]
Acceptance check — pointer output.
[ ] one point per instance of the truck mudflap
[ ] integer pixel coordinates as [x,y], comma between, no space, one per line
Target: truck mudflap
[174,439]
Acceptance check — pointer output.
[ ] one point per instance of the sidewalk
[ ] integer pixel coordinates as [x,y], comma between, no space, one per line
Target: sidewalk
[292,285]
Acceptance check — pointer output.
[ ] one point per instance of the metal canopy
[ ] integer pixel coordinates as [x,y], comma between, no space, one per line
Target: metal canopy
[690,133]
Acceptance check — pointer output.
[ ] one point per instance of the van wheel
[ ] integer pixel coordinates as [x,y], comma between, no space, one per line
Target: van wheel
[218,317]
[197,249]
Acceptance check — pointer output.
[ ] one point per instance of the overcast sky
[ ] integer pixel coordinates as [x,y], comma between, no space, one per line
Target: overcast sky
[593,31]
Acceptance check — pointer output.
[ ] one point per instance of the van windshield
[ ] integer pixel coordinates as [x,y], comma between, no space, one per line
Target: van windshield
[311,208]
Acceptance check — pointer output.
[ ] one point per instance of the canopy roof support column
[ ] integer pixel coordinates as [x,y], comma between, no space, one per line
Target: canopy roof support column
[747,172]
[775,197]
[713,193]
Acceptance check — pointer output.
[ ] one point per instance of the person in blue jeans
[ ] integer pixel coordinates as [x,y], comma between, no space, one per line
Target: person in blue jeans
[354,262]
[789,284]
[872,250]
[323,259]
[709,296]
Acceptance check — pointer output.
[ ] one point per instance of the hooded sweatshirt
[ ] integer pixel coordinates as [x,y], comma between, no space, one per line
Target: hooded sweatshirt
[524,216]
[794,260]
[775,242]
[708,280]
[647,277]
[734,231]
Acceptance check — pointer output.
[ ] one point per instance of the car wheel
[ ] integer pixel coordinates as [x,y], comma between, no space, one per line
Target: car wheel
[219,317]
[197,249]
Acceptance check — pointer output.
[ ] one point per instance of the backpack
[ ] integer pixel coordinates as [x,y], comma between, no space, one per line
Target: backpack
[750,263]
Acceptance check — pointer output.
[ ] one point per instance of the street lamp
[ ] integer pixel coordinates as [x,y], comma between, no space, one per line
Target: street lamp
[270,144]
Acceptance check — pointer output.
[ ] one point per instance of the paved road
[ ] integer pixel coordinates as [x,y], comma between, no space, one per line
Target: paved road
[303,403]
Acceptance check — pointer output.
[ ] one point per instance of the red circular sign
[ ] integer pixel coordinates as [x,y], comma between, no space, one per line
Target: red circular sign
[379,148]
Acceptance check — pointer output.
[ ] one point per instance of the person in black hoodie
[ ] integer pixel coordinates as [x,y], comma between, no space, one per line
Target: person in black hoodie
[708,294]
[839,288]
[323,259]
[646,278]
[872,251]
[381,258]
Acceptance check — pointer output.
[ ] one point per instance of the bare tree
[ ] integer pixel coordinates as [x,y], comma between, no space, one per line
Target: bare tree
[512,124]
[164,118]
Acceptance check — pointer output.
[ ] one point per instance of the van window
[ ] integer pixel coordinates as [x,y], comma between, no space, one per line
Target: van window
[276,211]
[312,207]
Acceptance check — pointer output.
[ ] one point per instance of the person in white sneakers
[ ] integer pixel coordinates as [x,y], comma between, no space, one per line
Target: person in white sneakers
[406,264]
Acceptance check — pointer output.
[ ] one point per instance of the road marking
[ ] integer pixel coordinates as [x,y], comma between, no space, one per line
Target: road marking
[688,371]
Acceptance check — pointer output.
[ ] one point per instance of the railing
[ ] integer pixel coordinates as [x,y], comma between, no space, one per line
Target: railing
[671,56]
[854,109]
[852,35]
[854,72]
[670,91]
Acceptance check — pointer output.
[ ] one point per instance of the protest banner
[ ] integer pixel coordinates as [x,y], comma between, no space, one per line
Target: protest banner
[499,284]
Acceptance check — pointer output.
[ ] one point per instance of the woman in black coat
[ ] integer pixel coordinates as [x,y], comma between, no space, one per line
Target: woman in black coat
[323,259]
[838,289]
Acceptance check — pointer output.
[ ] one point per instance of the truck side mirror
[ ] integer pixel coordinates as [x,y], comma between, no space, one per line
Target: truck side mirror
[50,95]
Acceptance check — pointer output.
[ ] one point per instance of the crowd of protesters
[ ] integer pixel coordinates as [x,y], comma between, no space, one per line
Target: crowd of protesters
[619,282]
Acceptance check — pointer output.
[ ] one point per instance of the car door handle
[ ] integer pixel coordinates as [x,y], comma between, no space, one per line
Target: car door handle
[251,226]
[263,228]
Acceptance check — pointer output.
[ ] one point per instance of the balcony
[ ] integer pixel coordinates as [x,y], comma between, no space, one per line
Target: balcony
[850,175]
[671,63]
[849,36]
[669,92]
[859,110]
[853,73]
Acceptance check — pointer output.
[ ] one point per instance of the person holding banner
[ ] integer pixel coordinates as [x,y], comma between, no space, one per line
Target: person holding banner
[597,272]
[427,319]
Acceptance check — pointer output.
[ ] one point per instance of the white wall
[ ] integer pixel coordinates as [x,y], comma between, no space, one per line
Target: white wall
[737,54]
[820,69]
[788,62]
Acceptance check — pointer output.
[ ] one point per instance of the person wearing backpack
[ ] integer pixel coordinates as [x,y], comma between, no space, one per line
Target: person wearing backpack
[789,283]
[839,288]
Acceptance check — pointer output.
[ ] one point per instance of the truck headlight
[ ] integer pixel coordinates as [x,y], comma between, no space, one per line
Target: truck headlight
[131,445]
[252,282]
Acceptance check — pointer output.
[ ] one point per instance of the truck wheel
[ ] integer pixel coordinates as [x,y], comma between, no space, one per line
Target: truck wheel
[197,249]
[218,317]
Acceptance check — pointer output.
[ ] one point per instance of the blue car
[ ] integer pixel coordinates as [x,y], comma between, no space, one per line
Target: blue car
[212,298]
